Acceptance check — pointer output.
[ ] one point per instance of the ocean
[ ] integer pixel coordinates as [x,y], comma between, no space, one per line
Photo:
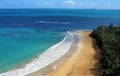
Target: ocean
[27,33]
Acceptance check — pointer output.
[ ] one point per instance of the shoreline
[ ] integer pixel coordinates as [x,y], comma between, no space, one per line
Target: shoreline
[84,62]
[49,68]
[36,64]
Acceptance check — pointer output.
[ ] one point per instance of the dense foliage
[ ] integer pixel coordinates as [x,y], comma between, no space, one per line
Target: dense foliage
[108,40]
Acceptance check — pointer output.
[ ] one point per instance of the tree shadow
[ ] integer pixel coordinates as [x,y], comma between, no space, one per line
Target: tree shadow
[96,67]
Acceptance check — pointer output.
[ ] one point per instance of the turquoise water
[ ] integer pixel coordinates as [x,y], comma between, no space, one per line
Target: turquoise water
[21,47]
[26,33]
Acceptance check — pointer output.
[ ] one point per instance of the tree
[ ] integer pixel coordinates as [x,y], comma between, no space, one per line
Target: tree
[108,40]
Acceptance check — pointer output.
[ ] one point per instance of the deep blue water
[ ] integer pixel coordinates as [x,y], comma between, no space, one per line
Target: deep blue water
[55,22]
[75,18]
[25,33]
[95,13]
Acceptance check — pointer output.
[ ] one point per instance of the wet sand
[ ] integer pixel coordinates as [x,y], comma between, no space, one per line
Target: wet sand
[49,56]
[49,68]
[81,60]
[84,62]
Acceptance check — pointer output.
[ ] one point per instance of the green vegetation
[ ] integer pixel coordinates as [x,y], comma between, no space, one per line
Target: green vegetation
[108,40]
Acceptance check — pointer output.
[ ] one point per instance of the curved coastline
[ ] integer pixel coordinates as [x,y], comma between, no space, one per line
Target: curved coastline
[82,62]
[49,56]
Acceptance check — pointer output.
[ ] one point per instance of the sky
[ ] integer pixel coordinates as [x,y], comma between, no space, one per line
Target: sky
[72,4]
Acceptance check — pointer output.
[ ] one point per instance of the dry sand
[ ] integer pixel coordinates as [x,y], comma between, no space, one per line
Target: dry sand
[84,62]
[80,62]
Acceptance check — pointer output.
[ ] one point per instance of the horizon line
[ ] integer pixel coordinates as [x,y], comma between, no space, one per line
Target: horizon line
[66,8]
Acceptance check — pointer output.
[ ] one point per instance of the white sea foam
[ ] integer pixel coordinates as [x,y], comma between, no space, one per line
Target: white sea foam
[53,22]
[49,56]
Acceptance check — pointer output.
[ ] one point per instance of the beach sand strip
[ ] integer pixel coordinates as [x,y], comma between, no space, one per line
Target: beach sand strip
[49,68]
[84,62]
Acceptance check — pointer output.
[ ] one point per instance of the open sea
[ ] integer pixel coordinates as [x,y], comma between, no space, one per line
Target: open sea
[26,33]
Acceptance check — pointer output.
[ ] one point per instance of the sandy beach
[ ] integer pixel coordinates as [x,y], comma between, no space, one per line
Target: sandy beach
[80,60]
[49,68]
[50,55]
[83,62]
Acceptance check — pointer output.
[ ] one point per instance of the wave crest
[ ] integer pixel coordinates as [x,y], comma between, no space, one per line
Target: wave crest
[49,56]
[53,22]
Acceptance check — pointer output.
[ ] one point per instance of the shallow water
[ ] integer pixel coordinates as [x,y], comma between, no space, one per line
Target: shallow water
[26,33]
[20,46]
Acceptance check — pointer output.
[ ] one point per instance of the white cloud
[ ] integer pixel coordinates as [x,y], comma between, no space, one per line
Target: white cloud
[45,4]
[86,3]
[49,4]
[77,3]
[69,2]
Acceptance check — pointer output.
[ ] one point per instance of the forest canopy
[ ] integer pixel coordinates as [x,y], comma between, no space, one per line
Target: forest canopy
[108,40]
